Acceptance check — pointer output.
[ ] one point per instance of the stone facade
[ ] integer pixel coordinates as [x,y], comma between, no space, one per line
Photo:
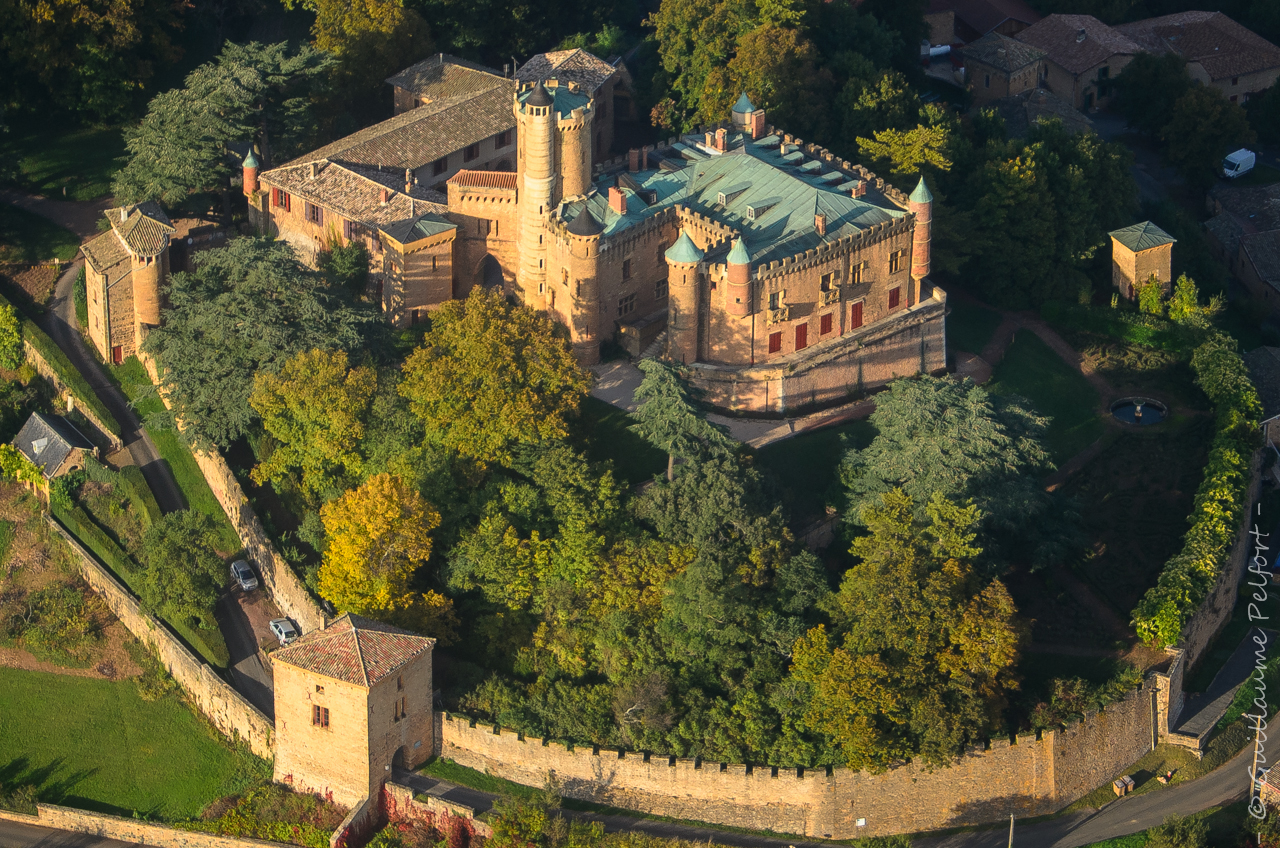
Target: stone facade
[1138,253]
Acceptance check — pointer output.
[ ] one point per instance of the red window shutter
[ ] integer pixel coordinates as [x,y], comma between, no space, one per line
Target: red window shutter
[855,316]
[895,296]
[288,206]
[824,324]
[802,336]
[775,342]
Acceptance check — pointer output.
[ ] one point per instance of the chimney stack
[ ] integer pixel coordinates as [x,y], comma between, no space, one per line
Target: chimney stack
[710,140]
[757,124]
[617,200]
[386,195]
[408,180]
[315,170]
[820,223]
[722,139]
[633,159]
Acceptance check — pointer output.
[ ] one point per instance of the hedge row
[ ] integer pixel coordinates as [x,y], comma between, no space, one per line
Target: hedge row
[130,481]
[1220,502]
[207,643]
[67,373]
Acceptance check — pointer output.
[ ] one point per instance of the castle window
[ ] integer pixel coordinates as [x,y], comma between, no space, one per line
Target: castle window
[577,289]
[564,276]
[824,324]
[986,80]
[280,198]
[660,289]
[502,139]
[895,261]
[775,342]
[775,298]
[399,683]
[319,690]
[482,227]
[1235,80]
[895,297]
[802,336]
[319,715]
[439,166]
[314,214]
[350,229]
[855,316]
[825,285]
[471,153]
[626,269]
[855,273]
[433,263]
[626,305]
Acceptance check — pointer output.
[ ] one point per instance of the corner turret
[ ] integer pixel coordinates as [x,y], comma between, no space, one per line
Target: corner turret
[737,296]
[921,205]
[683,259]
[250,166]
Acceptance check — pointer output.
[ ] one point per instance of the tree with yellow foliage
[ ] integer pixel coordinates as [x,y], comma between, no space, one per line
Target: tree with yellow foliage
[314,409]
[378,535]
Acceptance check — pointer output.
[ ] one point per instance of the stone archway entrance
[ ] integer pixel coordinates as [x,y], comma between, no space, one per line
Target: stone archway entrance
[491,274]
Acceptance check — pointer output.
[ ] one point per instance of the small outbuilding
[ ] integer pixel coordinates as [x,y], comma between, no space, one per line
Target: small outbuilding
[53,444]
[1139,252]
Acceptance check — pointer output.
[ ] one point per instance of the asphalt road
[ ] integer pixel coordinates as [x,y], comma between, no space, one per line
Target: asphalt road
[14,835]
[248,675]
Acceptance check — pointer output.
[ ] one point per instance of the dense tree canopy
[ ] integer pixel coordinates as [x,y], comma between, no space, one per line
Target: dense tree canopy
[1203,127]
[182,572]
[490,376]
[256,306]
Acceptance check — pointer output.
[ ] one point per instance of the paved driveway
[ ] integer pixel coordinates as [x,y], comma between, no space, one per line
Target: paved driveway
[244,620]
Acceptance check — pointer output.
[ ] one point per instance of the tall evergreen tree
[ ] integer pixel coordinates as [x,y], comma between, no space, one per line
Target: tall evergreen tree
[668,418]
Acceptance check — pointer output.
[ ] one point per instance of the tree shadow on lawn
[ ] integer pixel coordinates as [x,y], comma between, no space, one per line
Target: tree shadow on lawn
[52,785]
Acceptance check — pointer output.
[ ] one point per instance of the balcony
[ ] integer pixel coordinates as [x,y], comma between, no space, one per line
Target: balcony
[777,316]
[827,298]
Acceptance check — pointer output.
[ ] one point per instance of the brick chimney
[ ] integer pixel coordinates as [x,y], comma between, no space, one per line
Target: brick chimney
[710,140]
[385,196]
[757,124]
[820,223]
[722,139]
[408,180]
[633,159]
[617,200]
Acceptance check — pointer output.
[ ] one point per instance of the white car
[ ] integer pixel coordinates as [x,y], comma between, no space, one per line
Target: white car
[283,629]
[243,575]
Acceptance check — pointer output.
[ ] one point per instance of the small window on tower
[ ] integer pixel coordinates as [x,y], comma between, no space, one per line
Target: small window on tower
[895,261]
[399,683]
[855,273]
[319,715]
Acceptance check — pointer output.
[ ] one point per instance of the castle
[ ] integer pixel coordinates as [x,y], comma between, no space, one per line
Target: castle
[779,275]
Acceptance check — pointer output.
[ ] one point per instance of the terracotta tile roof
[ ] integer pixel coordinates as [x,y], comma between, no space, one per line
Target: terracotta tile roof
[578,66]
[1059,37]
[143,227]
[420,136]
[1220,45]
[485,179]
[1256,208]
[1002,52]
[355,649]
[443,76]
[104,252]
[355,191]
[985,15]
[1263,250]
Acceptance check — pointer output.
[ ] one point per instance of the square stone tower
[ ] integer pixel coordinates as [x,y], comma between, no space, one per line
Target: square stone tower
[1137,252]
[352,702]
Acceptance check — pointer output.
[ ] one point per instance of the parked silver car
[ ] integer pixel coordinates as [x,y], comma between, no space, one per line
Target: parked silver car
[243,575]
[283,629]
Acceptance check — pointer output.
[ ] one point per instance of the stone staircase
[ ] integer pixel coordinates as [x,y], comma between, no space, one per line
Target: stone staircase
[656,348]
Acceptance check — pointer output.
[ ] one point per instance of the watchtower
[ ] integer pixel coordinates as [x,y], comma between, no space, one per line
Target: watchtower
[1139,252]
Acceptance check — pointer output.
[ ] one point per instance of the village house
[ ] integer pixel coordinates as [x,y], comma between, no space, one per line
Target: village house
[1218,51]
[1245,234]
[999,66]
[124,270]
[1083,56]
[54,445]
[1026,109]
[966,21]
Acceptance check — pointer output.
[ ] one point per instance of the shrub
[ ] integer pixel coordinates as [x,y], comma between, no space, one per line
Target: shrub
[10,338]
[19,799]
[273,812]
[155,682]
[58,620]
[1179,832]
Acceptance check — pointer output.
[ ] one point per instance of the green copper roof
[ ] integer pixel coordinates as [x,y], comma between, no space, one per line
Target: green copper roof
[250,161]
[684,251]
[415,229]
[1142,236]
[744,104]
[921,194]
[739,255]
[565,100]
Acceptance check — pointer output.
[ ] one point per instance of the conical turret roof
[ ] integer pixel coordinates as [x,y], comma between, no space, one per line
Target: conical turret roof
[539,96]
[684,251]
[744,104]
[921,194]
[250,161]
[585,224]
[739,255]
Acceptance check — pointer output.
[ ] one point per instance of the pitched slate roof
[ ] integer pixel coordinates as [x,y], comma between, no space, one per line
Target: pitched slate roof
[414,138]
[104,252]
[355,649]
[443,76]
[771,198]
[1142,236]
[355,191]
[1256,208]
[143,227]
[983,16]
[578,66]
[46,440]
[416,229]
[1023,110]
[1002,52]
[1263,250]
[1058,37]
[1220,45]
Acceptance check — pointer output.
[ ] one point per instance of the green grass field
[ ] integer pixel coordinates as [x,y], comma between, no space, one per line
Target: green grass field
[96,745]
[26,237]
[805,467]
[970,326]
[1031,369]
[53,157]
[134,381]
[606,429]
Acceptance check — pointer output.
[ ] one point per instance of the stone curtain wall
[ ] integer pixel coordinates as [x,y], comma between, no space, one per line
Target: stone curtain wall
[290,595]
[1026,776]
[223,705]
[46,371]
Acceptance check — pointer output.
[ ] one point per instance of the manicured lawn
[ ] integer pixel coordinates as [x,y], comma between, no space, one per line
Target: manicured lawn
[1031,369]
[805,468]
[970,326]
[609,437]
[26,237]
[95,744]
[134,381]
[49,158]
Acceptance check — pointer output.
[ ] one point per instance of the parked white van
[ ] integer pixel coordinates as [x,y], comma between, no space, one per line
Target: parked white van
[1238,164]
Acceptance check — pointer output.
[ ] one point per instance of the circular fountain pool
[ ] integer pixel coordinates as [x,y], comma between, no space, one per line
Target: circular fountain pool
[1140,411]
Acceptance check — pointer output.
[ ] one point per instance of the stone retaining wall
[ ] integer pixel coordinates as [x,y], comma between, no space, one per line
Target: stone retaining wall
[140,832]
[46,371]
[213,696]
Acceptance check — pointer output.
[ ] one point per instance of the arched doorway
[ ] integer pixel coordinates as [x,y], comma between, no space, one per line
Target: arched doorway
[491,274]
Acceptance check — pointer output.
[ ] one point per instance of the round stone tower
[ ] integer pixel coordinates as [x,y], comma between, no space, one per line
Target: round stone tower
[921,205]
[737,295]
[683,259]
[574,131]
[583,310]
[536,176]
